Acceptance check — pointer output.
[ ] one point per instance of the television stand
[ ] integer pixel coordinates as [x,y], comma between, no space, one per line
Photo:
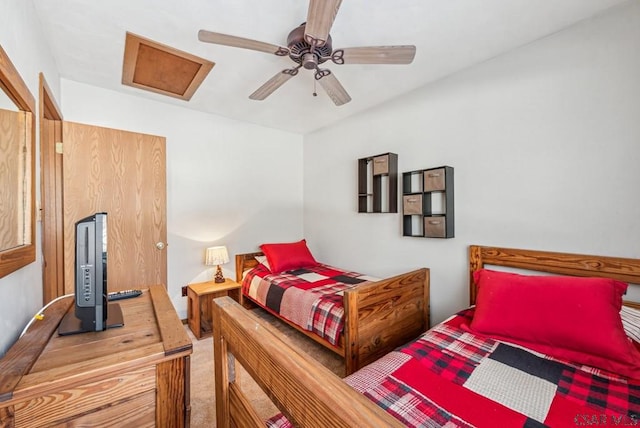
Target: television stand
[137,375]
[71,324]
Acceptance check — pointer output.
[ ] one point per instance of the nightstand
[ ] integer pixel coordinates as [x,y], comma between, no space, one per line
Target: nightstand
[200,297]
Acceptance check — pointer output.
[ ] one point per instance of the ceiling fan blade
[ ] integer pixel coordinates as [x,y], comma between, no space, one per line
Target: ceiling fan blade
[375,55]
[320,18]
[334,89]
[274,83]
[241,42]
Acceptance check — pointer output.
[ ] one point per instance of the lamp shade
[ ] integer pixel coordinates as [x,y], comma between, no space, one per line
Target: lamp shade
[216,256]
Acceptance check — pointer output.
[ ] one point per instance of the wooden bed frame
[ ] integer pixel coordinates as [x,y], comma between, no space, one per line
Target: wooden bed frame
[309,394]
[379,316]
[622,269]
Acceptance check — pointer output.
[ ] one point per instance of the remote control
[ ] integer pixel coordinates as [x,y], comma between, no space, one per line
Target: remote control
[124,294]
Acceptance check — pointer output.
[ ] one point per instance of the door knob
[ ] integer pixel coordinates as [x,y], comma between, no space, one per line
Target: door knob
[160,245]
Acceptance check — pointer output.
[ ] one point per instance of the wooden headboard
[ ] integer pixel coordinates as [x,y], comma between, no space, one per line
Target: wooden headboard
[245,261]
[622,269]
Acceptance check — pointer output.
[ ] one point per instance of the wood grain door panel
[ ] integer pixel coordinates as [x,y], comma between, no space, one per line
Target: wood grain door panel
[123,174]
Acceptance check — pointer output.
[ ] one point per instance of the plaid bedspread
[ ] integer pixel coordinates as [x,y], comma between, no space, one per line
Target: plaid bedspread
[310,298]
[451,378]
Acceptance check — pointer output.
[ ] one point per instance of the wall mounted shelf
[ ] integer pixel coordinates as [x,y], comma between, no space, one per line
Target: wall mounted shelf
[427,203]
[378,184]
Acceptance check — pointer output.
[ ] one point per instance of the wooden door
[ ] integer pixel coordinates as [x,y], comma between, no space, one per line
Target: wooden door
[123,174]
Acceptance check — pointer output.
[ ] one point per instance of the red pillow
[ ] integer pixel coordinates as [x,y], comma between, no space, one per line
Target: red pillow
[571,318]
[288,256]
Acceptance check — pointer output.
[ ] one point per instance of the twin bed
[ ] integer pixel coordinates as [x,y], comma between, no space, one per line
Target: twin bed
[460,372]
[379,315]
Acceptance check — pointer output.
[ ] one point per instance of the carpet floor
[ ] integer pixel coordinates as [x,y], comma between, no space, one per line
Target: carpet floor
[203,412]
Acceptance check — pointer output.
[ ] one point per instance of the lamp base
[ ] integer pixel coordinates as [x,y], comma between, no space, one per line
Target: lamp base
[218,278]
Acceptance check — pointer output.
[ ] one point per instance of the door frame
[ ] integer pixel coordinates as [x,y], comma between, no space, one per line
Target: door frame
[50,212]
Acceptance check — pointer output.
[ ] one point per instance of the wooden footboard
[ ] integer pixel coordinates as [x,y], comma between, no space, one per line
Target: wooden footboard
[384,315]
[379,316]
[305,391]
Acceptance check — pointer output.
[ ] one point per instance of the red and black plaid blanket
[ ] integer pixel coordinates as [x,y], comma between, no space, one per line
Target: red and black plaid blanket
[310,298]
[452,378]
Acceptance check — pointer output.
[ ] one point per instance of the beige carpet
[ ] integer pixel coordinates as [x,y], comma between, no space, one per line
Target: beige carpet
[203,382]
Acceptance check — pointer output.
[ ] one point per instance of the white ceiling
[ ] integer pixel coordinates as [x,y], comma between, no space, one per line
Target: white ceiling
[87,40]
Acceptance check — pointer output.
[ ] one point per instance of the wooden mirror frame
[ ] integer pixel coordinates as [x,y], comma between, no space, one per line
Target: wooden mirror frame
[16,89]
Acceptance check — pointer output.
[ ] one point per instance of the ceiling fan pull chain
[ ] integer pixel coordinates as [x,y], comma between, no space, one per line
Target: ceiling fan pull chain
[315,94]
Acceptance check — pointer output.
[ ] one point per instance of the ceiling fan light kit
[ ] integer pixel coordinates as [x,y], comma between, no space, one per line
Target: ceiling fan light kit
[310,45]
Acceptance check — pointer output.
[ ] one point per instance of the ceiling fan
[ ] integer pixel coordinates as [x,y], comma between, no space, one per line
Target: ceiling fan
[310,45]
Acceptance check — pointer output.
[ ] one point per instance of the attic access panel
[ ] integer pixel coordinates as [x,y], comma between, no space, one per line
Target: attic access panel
[159,68]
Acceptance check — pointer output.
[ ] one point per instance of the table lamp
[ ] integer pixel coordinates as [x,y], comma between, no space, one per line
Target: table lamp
[216,256]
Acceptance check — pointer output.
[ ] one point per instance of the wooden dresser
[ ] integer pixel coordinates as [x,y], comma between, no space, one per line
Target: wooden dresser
[136,375]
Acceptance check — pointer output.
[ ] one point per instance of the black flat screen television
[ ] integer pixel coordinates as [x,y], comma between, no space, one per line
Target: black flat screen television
[92,310]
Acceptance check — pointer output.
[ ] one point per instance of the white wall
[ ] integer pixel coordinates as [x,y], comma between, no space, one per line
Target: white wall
[545,146]
[20,37]
[228,182]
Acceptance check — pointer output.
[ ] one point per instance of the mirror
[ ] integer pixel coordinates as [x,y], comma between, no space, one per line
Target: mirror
[17,165]
[13,231]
